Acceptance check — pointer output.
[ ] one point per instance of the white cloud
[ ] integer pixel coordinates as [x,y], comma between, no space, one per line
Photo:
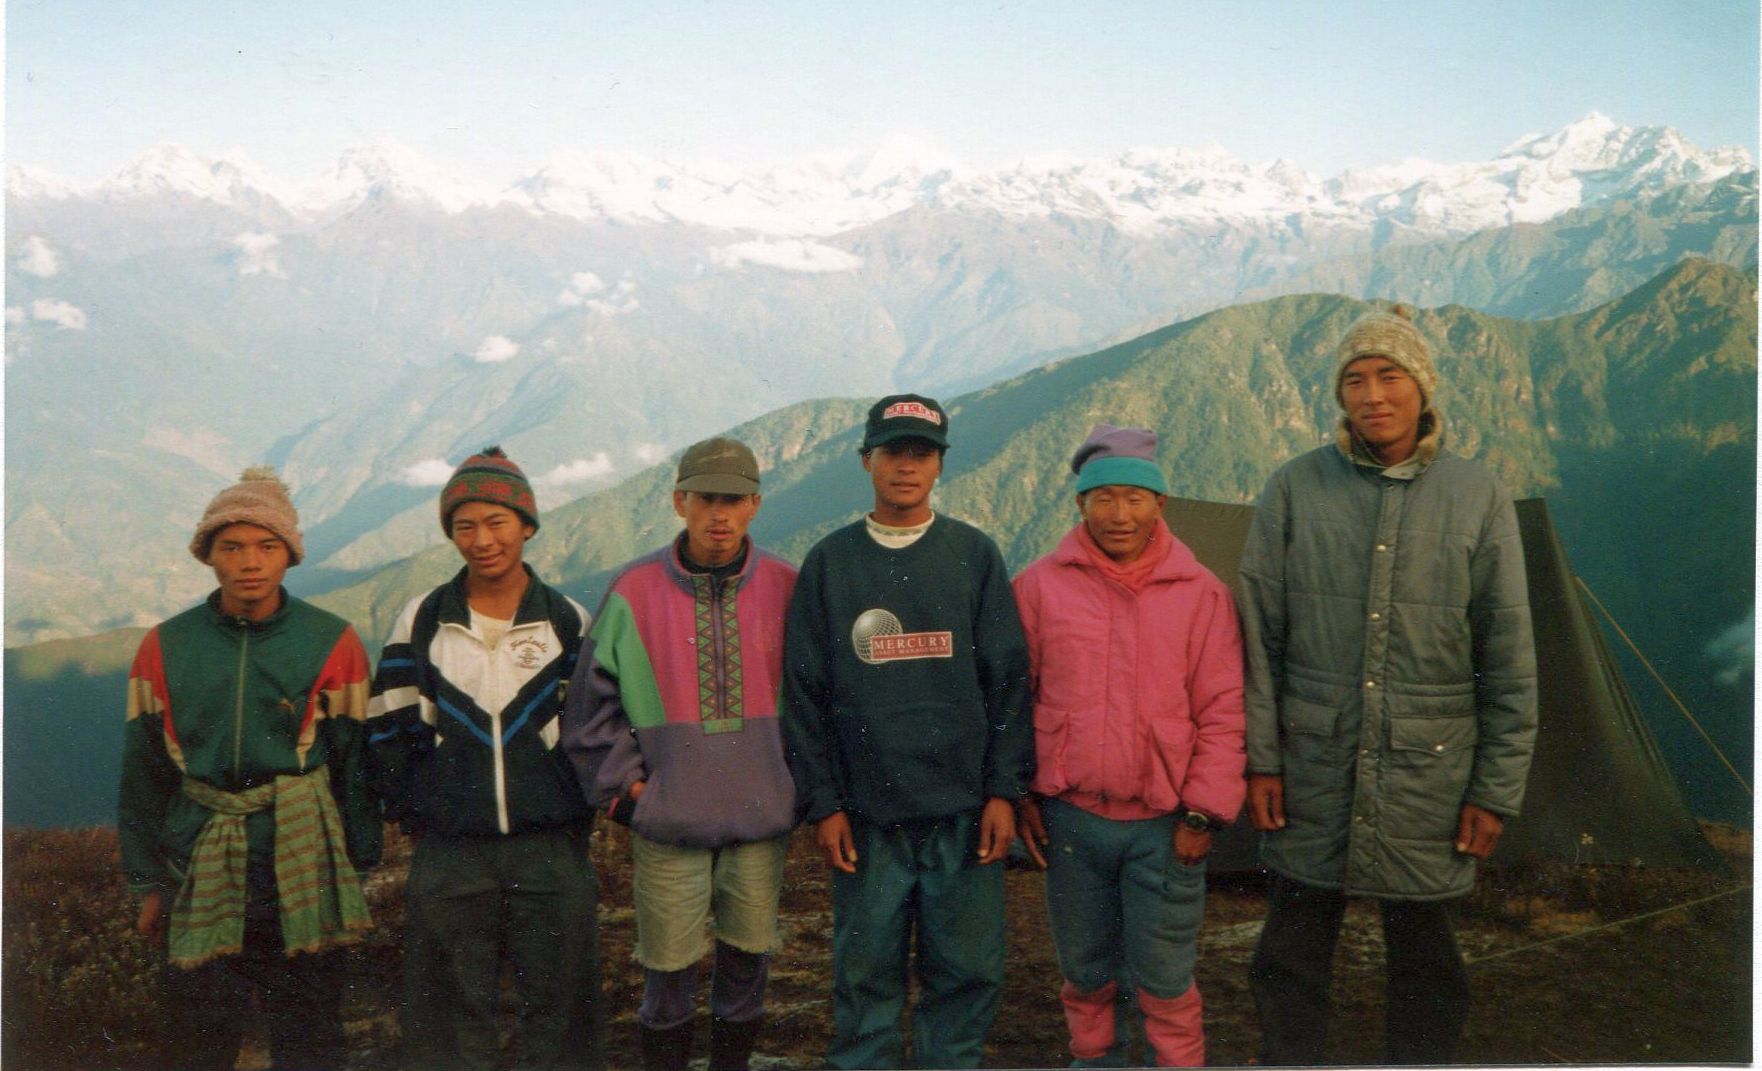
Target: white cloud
[581,285]
[596,467]
[789,254]
[257,254]
[1734,651]
[496,349]
[60,313]
[39,258]
[648,453]
[14,314]
[429,472]
[588,291]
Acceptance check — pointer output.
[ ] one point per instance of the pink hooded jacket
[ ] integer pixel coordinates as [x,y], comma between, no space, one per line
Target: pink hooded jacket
[1137,689]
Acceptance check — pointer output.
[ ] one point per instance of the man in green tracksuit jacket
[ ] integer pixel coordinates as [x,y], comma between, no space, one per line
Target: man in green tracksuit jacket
[905,716]
[244,812]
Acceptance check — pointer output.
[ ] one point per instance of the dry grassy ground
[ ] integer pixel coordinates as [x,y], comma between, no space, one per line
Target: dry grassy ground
[1549,987]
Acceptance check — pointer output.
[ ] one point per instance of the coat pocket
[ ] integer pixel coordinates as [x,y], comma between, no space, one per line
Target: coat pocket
[1426,777]
[1165,766]
[1051,740]
[1318,765]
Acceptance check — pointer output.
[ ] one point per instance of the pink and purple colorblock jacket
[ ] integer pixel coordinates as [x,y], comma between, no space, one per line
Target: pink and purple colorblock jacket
[677,687]
[1137,681]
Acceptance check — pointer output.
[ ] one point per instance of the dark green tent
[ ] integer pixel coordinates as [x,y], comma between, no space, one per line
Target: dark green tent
[1599,791]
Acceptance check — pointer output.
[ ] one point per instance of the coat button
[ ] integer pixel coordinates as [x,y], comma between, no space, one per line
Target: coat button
[1374,616]
[1370,684]
[1382,547]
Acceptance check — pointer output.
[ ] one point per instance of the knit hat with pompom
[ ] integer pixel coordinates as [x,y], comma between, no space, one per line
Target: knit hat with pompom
[259,498]
[490,476]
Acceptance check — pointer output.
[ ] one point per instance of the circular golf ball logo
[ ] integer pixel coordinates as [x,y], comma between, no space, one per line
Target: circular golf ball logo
[869,624]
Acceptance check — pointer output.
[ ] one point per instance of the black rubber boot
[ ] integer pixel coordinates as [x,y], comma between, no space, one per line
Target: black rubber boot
[731,1043]
[666,1050]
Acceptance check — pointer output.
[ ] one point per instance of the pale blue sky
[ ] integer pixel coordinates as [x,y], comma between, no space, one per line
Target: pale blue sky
[491,90]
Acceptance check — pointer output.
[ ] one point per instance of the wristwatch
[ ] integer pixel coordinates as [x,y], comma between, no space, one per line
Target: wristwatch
[1198,822]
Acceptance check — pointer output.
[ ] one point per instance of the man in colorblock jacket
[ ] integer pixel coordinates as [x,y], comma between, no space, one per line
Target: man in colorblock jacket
[1137,692]
[464,722]
[244,811]
[672,724]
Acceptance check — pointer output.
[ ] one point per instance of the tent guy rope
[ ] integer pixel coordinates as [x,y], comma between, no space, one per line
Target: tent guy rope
[1644,661]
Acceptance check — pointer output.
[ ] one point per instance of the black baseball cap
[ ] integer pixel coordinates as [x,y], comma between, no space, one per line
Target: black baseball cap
[906,416]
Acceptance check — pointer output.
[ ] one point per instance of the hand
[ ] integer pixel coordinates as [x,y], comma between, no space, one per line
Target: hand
[636,788]
[834,837]
[1032,829]
[997,830]
[151,922]
[1478,832]
[1191,845]
[1266,801]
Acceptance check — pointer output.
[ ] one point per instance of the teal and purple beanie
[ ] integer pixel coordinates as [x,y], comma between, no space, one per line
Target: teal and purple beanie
[1124,456]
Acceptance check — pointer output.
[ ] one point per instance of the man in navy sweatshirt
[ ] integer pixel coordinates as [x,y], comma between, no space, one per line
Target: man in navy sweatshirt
[905,714]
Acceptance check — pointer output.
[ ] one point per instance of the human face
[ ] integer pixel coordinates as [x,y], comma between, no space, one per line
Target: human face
[1121,519]
[491,539]
[715,524]
[249,561]
[903,472]
[1383,405]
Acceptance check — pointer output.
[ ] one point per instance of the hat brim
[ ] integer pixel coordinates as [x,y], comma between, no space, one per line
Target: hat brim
[892,435]
[721,483]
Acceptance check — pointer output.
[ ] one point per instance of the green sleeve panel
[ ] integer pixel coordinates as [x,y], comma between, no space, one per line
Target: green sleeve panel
[617,646]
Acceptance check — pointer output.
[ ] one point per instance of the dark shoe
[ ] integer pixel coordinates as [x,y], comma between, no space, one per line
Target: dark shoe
[731,1043]
[666,1050]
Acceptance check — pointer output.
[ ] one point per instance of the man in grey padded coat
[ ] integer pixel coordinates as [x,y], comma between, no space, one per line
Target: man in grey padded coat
[1391,697]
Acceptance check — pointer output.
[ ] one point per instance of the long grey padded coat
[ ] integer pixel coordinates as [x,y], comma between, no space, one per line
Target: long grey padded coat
[1391,673]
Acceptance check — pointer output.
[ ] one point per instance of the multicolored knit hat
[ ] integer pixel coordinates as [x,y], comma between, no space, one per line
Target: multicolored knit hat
[1389,334]
[1124,456]
[489,476]
[259,498]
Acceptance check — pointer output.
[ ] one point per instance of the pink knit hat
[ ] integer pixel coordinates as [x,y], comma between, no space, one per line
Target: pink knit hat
[259,498]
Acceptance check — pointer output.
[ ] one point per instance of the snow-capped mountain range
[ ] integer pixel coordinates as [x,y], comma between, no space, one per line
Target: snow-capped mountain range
[193,314]
[1141,191]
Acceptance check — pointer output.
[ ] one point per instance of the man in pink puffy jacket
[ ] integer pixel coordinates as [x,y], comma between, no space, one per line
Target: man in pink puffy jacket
[1137,686]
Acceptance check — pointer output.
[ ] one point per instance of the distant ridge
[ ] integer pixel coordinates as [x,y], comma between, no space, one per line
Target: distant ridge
[191,316]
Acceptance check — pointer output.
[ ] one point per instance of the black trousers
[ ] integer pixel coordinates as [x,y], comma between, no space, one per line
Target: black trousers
[300,997]
[1427,994]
